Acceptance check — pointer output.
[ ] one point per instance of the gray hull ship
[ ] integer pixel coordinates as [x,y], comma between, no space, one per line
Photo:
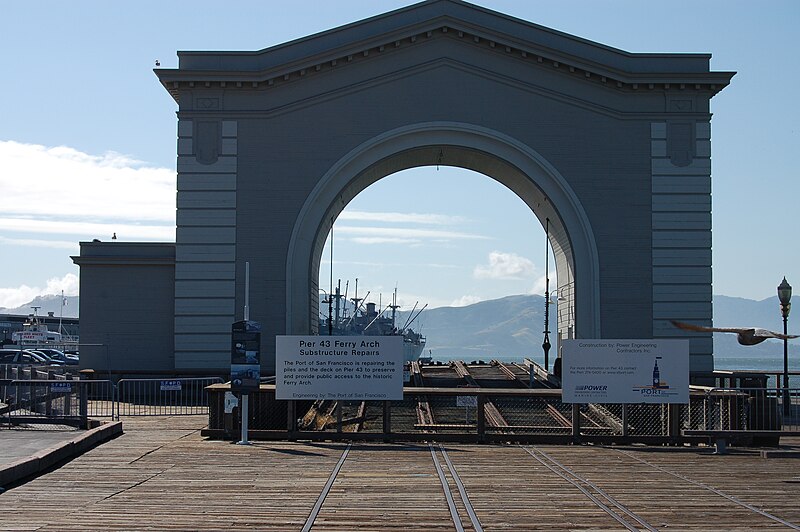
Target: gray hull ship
[354,317]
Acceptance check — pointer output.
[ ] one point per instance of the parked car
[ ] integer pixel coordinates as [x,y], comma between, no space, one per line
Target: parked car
[55,354]
[50,361]
[22,356]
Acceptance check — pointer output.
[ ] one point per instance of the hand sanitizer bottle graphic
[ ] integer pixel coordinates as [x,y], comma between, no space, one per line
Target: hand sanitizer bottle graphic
[656,375]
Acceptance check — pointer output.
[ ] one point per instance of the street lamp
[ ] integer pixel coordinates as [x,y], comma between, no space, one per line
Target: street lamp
[546,343]
[785,295]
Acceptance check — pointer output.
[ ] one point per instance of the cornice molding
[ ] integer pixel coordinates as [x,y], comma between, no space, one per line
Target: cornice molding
[246,73]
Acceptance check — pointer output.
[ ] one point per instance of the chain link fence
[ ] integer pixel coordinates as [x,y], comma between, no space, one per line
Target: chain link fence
[502,415]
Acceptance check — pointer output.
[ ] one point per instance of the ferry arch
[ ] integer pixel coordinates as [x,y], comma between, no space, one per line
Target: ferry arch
[612,147]
[468,146]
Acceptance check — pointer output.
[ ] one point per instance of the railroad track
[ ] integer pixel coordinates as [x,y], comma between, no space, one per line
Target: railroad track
[462,492]
[731,498]
[446,473]
[621,513]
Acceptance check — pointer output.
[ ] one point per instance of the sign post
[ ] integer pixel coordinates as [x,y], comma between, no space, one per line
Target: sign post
[245,365]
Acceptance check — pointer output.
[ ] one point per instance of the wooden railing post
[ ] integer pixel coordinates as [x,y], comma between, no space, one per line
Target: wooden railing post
[624,420]
[674,421]
[576,420]
[83,402]
[481,413]
[291,419]
[48,405]
[387,419]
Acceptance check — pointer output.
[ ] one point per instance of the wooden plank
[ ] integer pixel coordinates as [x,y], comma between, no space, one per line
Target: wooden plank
[161,474]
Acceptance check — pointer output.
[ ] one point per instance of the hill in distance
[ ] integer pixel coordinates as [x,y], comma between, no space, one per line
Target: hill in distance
[47,303]
[512,327]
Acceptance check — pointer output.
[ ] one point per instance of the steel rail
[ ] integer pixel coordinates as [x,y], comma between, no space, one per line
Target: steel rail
[506,371]
[491,411]
[325,490]
[575,479]
[446,488]
[476,524]
[722,494]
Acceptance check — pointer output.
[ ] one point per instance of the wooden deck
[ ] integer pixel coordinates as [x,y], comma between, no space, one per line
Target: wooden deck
[162,475]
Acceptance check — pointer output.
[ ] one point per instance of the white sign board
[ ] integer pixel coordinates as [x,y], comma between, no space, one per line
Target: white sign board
[60,387]
[231,401]
[625,371]
[467,400]
[171,386]
[350,368]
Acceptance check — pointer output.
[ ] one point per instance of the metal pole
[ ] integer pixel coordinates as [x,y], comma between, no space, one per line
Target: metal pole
[245,420]
[246,291]
[785,298]
[330,294]
[787,399]
[546,342]
[244,406]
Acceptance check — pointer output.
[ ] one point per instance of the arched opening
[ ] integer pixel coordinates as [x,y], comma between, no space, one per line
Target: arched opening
[509,162]
[452,241]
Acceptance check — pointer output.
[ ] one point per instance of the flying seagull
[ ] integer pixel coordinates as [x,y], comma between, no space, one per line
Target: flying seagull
[745,335]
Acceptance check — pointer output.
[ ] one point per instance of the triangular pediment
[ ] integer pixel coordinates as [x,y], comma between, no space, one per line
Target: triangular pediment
[375,36]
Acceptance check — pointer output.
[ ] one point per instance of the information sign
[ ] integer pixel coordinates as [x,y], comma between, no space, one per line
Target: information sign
[170,386]
[61,387]
[231,402]
[625,371]
[352,368]
[467,400]
[245,356]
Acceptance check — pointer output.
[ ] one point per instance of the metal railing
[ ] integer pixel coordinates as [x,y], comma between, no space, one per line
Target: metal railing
[163,397]
[752,409]
[51,398]
[55,401]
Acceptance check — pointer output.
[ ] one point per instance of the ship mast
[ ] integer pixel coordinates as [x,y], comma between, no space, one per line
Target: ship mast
[394,306]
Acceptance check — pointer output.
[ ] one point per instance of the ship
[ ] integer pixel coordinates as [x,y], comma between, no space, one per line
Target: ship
[35,333]
[356,317]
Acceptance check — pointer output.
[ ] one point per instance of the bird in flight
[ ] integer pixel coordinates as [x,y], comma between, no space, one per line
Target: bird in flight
[744,335]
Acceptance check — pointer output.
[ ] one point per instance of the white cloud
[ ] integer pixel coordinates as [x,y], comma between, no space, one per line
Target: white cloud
[14,297]
[37,243]
[64,184]
[466,300]
[505,266]
[539,286]
[401,217]
[384,240]
[405,233]
[103,231]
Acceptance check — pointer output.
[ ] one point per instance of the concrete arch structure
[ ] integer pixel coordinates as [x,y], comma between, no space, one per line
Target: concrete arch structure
[489,152]
[613,147]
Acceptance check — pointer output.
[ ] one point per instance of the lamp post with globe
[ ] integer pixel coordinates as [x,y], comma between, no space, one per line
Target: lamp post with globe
[785,295]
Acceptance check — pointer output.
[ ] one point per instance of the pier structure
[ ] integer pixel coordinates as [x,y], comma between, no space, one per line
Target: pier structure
[610,149]
[161,474]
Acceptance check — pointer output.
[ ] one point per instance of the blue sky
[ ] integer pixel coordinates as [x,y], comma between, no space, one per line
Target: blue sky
[87,143]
